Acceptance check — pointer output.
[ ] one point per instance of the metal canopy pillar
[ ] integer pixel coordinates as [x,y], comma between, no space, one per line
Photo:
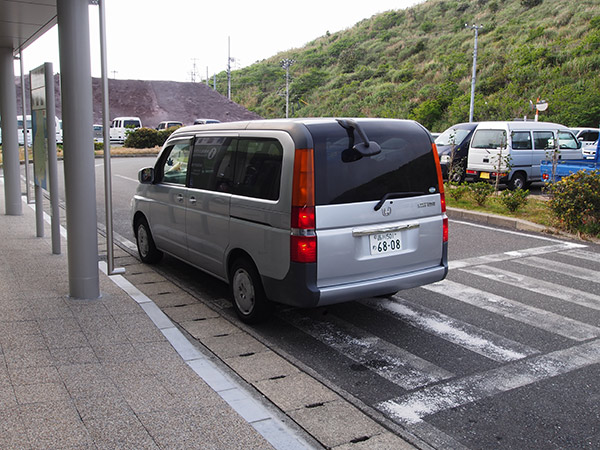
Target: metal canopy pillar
[80,185]
[10,141]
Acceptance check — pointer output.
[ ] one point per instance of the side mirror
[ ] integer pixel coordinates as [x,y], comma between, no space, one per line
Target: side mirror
[146,175]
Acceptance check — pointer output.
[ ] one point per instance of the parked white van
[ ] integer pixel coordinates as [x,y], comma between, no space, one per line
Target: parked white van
[166,124]
[120,126]
[513,150]
[304,212]
[29,126]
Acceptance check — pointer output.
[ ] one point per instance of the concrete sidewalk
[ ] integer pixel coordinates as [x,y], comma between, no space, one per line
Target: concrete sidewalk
[117,372]
[100,373]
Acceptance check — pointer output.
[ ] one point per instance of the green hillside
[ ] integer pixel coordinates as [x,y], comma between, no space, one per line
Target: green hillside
[416,63]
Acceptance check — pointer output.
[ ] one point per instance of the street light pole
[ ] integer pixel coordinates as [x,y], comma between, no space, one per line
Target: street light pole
[473,78]
[286,63]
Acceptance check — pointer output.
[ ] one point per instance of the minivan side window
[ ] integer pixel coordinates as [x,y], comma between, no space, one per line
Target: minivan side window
[258,168]
[212,163]
[175,164]
[567,141]
[243,166]
[521,140]
[492,139]
[543,140]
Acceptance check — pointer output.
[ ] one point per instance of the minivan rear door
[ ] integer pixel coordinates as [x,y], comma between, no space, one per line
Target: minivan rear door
[379,215]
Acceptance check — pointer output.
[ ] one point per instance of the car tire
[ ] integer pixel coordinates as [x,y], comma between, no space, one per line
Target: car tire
[517,181]
[247,292]
[147,250]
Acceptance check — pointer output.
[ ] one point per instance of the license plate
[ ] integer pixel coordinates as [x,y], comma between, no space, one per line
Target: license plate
[385,243]
[485,175]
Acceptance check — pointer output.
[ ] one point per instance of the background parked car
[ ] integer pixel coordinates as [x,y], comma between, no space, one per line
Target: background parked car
[589,151]
[205,121]
[454,144]
[168,124]
[587,136]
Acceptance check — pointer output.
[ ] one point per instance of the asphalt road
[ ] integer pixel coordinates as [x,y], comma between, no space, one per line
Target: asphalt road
[504,353]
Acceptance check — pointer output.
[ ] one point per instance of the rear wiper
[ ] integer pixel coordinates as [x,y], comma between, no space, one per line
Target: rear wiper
[366,147]
[395,195]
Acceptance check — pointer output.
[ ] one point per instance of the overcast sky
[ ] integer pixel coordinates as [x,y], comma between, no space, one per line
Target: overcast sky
[162,40]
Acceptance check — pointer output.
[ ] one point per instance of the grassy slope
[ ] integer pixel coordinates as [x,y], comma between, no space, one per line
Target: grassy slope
[417,63]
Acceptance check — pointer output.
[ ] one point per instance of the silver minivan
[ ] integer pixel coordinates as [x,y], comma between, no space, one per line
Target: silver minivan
[304,212]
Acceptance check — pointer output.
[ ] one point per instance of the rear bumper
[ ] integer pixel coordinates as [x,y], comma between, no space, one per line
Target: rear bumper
[483,175]
[299,287]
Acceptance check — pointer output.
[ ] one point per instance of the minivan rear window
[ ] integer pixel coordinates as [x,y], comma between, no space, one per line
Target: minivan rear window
[131,124]
[406,163]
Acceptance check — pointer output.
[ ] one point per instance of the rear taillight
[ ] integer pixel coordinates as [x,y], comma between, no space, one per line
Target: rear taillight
[303,223]
[471,172]
[445,231]
[442,195]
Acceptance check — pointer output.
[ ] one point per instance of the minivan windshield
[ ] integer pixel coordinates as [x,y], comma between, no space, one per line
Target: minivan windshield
[452,136]
[406,163]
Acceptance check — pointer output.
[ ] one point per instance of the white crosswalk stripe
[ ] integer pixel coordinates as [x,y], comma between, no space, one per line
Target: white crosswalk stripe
[387,360]
[506,256]
[565,293]
[480,341]
[433,389]
[536,317]
[583,254]
[560,267]
[413,407]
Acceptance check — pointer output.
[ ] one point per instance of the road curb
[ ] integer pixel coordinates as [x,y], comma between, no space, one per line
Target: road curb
[497,220]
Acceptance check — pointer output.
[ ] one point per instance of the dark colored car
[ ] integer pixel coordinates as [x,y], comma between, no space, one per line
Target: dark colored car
[453,146]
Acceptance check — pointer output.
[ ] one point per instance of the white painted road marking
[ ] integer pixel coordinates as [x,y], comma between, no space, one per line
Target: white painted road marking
[413,407]
[387,360]
[535,317]
[560,267]
[565,293]
[515,254]
[482,342]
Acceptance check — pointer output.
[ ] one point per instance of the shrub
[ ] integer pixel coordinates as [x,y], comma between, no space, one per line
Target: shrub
[514,200]
[480,192]
[163,135]
[456,192]
[98,145]
[575,202]
[142,138]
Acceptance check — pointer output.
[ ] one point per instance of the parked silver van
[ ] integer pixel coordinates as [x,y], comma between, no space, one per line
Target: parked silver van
[304,212]
[513,151]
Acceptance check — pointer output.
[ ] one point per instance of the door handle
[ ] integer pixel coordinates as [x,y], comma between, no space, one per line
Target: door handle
[179,198]
[192,200]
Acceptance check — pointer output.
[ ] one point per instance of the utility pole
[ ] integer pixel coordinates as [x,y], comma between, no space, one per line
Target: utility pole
[473,78]
[194,70]
[114,73]
[229,59]
[286,63]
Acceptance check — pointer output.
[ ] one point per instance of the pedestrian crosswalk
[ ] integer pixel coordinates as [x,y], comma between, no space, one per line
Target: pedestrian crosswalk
[528,288]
